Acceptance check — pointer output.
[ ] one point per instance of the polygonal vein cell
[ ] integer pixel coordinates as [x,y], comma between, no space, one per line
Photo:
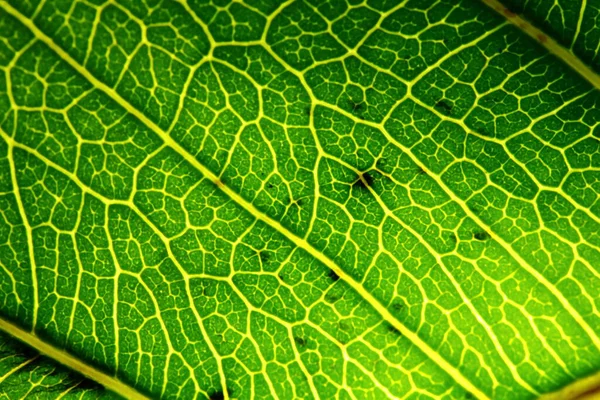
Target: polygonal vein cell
[169,210]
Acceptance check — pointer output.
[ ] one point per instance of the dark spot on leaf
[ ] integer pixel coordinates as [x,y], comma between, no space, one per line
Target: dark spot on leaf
[359,184]
[331,297]
[300,341]
[491,101]
[264,256]
[368,178]
[443,106]
[481,235]
[333,276]
[397,305]
[475,209]
[297,203]
[357,108]
[343,326]
[469,395]
[280,276]
[391,328]
[270,186]
[452,237]
[86,384]
[307,110]
[363,180]
[218,395]
[421,171]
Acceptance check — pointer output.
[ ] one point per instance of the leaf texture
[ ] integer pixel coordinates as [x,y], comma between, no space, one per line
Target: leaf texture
[574,24]
[307,199]
[27,374]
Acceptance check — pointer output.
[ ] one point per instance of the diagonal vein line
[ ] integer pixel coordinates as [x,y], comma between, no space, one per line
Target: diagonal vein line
[549,43]
[300,242]
[71,362]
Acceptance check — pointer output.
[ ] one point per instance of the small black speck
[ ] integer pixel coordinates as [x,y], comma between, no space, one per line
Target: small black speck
[332,297]
[333,276]
[364,180]
[359,184]
[280,276]
[391,328]
[264,256]
[421,171]
[481,235]
[356,108]
[368,178]
[300,341]
[270,186]
[444,106]
[217,395]
[86,384]
[397,306]
[492,100]
[475,209]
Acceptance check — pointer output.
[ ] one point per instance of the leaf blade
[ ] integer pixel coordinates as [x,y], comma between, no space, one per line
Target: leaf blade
[162,219]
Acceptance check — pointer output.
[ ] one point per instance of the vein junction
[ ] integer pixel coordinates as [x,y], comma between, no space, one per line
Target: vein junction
[294,201]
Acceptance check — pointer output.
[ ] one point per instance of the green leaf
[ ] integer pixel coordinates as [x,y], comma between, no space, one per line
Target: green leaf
[254,199]
[571,22]
[25,373]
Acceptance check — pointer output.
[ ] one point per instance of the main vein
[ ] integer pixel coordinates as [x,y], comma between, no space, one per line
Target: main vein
[548,42]
[74,363]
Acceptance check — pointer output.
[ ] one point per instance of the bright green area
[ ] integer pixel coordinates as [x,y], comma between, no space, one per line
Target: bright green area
[448,165]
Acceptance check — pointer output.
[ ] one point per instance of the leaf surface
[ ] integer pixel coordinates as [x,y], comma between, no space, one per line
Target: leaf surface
[298,200]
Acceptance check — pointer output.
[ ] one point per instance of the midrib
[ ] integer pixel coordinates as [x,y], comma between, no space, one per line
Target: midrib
[298,241]
[548,42]
[72,362]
